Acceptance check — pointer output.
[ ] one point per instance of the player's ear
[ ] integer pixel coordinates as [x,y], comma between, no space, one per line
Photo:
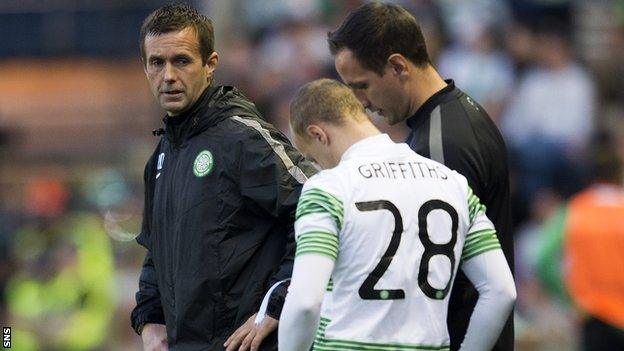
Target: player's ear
[211,64]
[397,64]
[317,133]
[144,62]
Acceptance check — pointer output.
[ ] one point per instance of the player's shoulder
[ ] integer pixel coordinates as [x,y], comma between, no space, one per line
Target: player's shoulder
[468,126]
[254,137]
[239,127]
[459,180]
[325,178]
[328,180]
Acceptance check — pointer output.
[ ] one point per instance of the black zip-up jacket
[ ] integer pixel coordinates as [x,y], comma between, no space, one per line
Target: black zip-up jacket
[221,191]
[453,129]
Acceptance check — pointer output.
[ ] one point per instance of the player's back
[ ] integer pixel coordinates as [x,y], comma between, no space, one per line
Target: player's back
[401,236]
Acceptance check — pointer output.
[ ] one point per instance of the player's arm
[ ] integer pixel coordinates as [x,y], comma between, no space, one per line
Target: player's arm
[480,160]
[148,310]
[319,220]
[301,314]
[272,173]
[485,266]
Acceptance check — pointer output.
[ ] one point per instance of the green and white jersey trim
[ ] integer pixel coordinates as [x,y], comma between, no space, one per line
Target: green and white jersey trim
[318,201]
[321,343]
[318,242]
[479,242]
[474,206]
[330,285]
[481,236]
[319,207]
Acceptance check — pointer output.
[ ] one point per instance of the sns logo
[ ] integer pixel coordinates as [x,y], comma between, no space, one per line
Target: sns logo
[6,337]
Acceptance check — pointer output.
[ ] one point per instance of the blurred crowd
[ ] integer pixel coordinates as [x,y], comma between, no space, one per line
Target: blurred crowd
[548,72]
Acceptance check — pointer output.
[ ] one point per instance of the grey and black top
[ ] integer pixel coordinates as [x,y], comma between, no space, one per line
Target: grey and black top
[453,129]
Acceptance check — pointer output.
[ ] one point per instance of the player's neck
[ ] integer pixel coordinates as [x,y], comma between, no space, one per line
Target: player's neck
[425,83]
[351,134]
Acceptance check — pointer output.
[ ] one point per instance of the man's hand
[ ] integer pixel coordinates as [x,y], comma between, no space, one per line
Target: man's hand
[249,335]
[154,337]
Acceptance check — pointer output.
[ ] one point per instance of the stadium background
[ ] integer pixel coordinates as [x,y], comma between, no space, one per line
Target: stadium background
[76,118]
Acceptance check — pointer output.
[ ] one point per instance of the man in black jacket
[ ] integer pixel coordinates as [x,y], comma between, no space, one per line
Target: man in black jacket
[220,194]
[380,53]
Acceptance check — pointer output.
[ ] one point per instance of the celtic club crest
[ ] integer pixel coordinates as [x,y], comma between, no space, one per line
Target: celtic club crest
[203,164]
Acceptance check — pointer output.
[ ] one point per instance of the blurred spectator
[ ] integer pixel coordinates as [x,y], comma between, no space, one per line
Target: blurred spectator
[482,69]
[61,294]
[612,71]
[466,20]
[260,15]
[550,118]
[287,58]
[519,45]
[9,221]
[46,198]
[582,246]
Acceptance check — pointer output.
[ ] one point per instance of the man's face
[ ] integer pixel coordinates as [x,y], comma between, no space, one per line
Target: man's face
[175,71]
[314,150]
[382,94]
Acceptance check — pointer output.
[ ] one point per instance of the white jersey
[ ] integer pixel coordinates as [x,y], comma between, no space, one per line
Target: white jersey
[398,226]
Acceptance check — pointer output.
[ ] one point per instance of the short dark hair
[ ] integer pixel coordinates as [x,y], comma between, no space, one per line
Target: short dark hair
[325,100]
[173,18]
[374,31]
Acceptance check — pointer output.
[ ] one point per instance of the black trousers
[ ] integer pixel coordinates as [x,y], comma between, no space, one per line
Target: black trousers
[600,336]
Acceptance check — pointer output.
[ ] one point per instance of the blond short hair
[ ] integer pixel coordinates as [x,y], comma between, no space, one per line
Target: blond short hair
[324,100]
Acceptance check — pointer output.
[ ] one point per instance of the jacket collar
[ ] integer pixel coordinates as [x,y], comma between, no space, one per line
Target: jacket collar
[201,115]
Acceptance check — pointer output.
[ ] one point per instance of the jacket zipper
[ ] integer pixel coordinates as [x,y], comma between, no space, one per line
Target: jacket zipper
[171,213]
